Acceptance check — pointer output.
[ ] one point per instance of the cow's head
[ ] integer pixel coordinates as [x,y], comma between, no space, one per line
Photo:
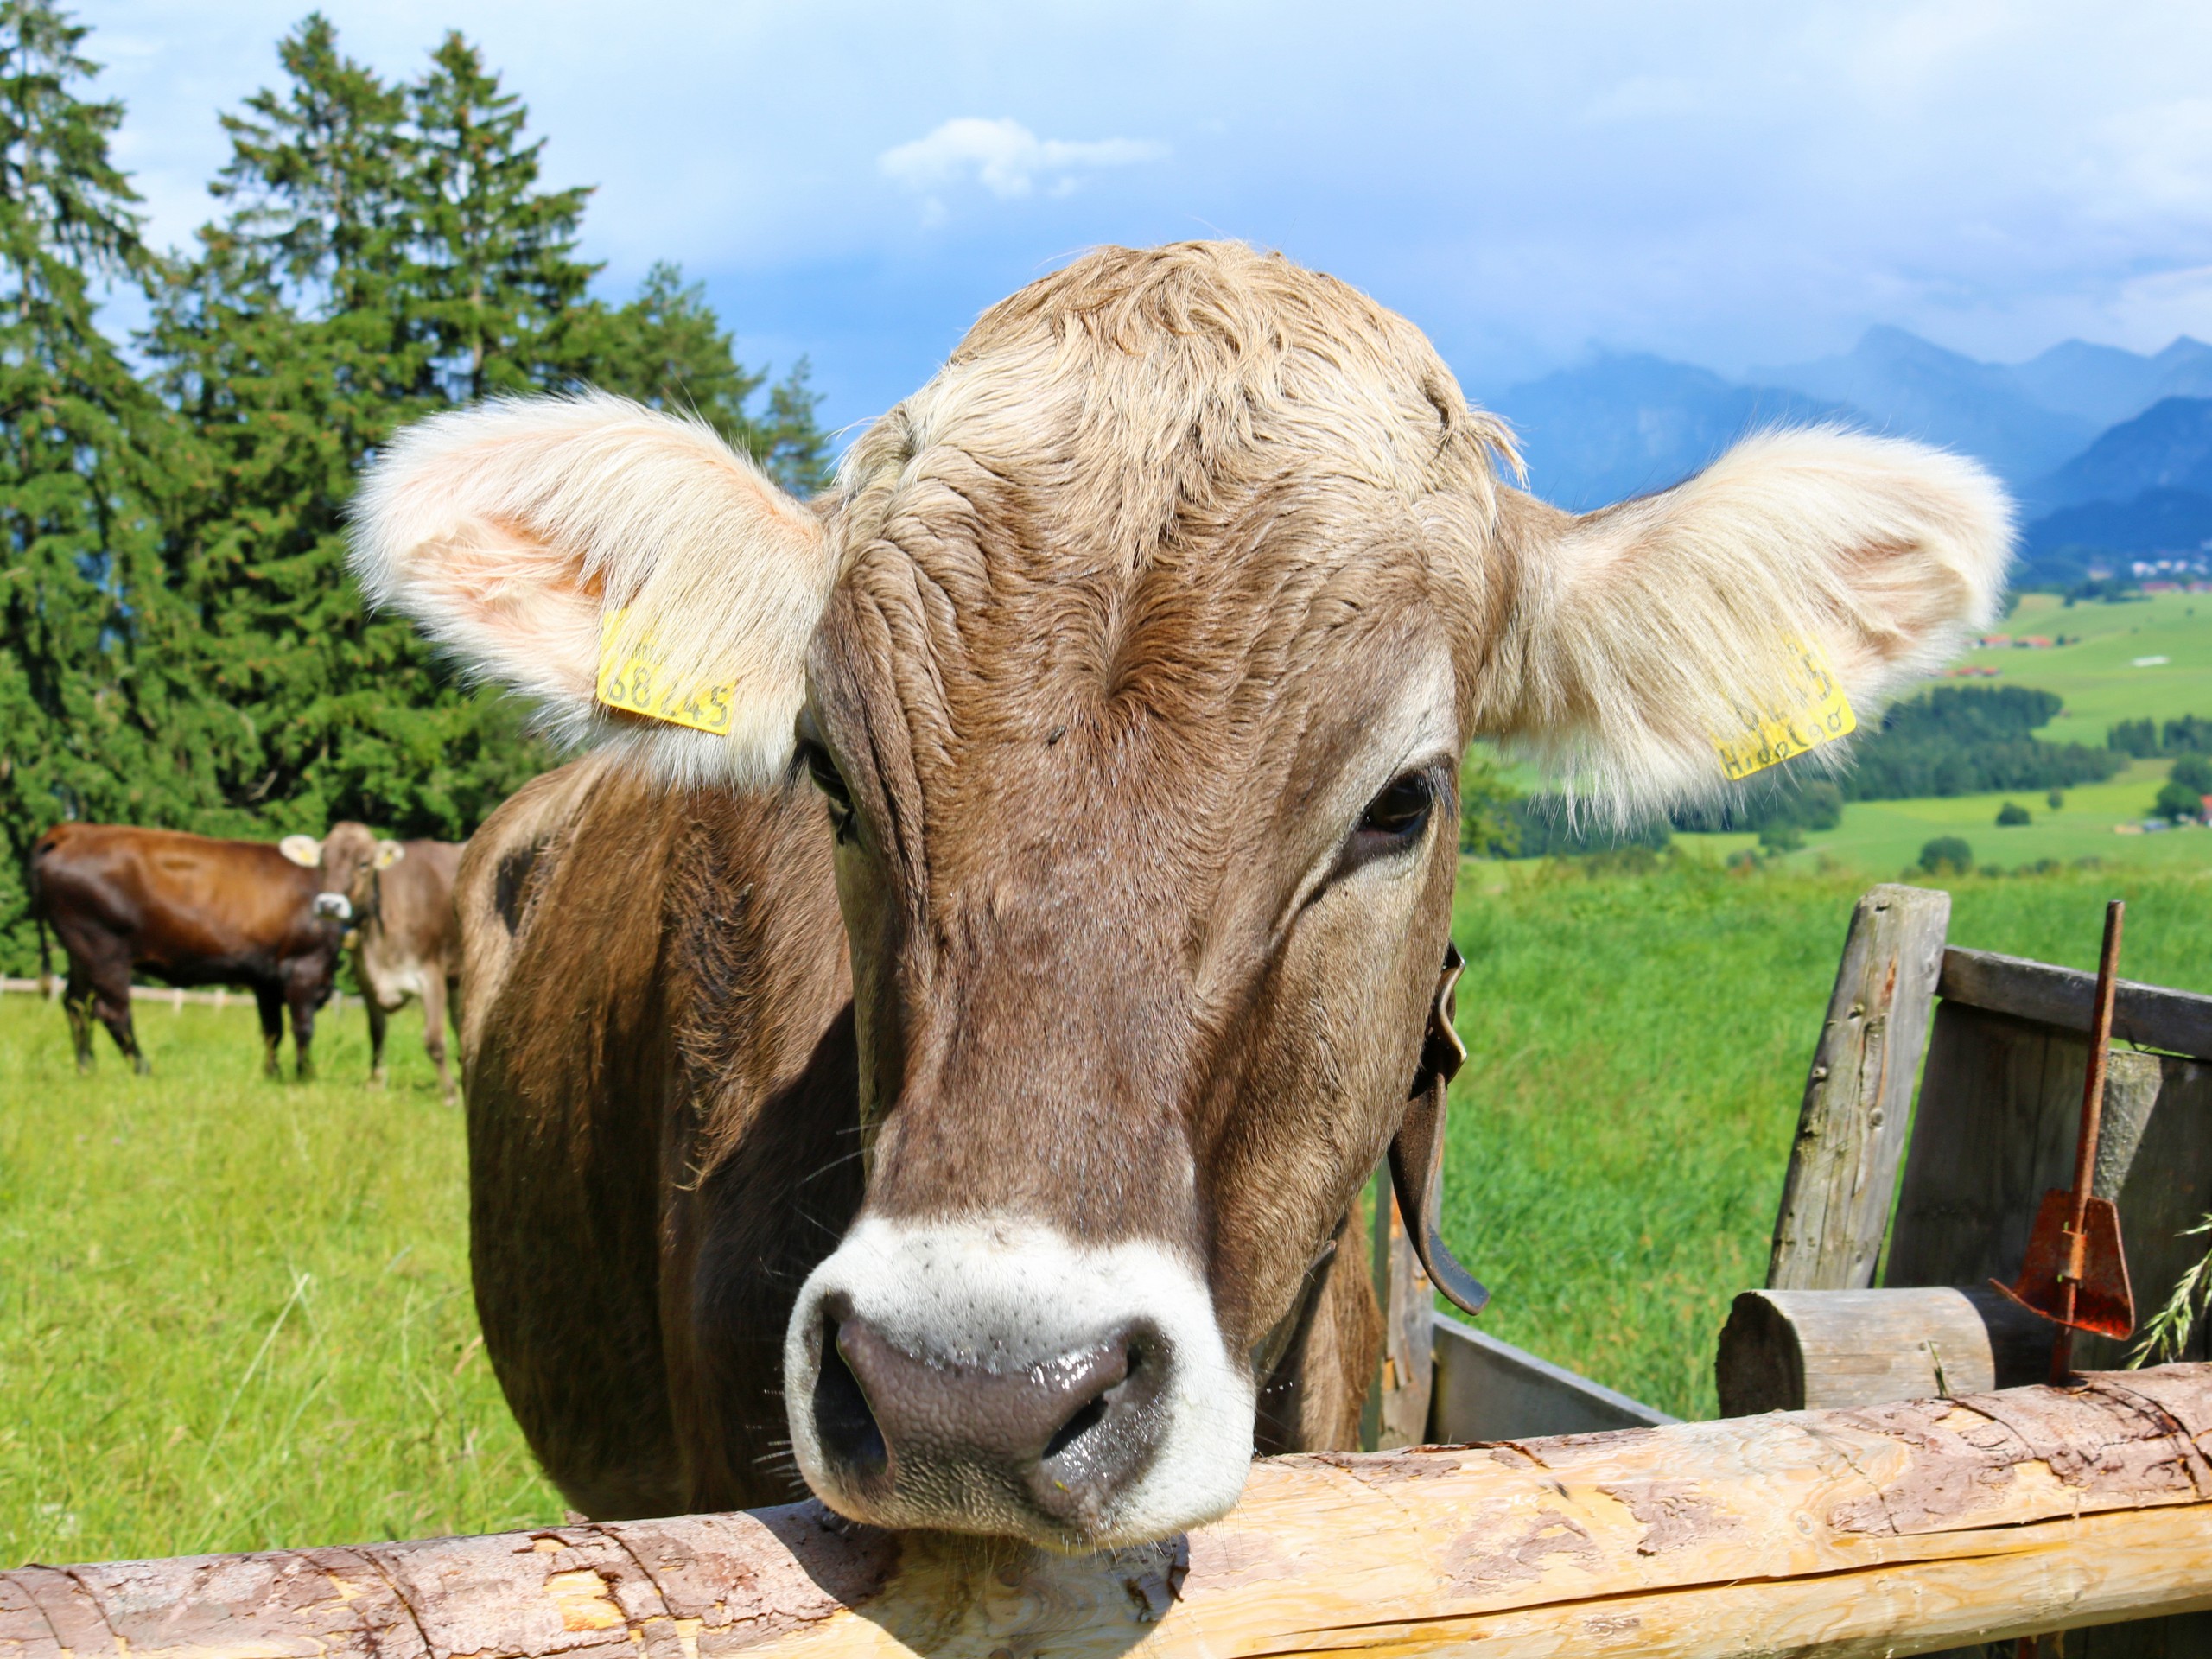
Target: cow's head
[1134,656]
[347,860]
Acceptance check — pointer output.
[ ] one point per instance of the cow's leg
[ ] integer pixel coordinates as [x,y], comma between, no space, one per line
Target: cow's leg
[379,1023]
[434,1029]
[77,1002]
[110,977]
[302,995]
[268,999]
[1312,1401]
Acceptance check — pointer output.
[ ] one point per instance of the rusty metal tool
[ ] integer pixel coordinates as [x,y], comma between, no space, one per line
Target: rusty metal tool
[2075,1274]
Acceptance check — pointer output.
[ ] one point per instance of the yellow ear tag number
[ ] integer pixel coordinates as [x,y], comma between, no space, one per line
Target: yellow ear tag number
[1807,709]
[639,684]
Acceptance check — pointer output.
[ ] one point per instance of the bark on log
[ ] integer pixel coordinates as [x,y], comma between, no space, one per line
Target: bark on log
[1789,1349]
[1890,1530]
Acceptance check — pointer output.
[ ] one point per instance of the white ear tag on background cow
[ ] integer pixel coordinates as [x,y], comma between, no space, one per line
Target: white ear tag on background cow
[1807,709]
[638,684]
[389,852]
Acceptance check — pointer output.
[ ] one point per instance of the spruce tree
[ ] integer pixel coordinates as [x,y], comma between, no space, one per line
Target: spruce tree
[387,250]
[496,275]
[308,329]
[100,716]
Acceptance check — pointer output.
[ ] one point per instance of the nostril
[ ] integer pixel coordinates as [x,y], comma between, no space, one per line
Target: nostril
[843,1421]
[1087,1417]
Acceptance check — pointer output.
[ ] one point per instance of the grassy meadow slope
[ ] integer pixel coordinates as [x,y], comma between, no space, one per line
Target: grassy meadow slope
[236,1314]
[2101,686]
[2098,677]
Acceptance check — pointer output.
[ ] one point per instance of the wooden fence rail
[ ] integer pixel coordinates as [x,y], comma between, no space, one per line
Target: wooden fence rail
[1889,1529]
[175,996]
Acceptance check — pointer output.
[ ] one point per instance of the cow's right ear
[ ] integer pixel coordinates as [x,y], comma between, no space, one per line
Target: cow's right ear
[303,850]
[625,570]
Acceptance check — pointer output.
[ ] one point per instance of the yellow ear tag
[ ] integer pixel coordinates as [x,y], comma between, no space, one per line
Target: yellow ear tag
[639,684]
[1807,709]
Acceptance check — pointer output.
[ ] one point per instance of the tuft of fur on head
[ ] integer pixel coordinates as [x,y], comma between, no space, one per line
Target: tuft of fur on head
[509,531]
[1633,637]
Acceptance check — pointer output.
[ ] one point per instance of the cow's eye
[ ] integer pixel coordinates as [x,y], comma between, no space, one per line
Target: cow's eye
[832,783]
[1402,810]
[1393,823]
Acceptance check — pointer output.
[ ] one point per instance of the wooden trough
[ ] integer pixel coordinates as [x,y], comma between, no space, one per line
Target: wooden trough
[1887,1530]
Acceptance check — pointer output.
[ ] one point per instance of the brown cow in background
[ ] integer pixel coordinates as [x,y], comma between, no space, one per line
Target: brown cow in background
[187,909]
[395,898]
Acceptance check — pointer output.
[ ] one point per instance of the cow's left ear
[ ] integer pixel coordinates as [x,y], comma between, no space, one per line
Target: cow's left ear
[303,850]
[389,852]
[1651,651]
[627,571]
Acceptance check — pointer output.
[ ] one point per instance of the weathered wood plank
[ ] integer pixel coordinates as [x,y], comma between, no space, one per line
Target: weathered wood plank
[1789,1349]
[1998,1110]
[2149,1016]
[1487,1389]
[1401,1397]
[1858,1105]
[1891,1530]
[1999,1105]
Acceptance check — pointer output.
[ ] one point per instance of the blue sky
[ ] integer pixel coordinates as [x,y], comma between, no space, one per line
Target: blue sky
[1728,183]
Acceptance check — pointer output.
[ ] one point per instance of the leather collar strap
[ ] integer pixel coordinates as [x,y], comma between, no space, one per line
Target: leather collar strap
[1417,1150]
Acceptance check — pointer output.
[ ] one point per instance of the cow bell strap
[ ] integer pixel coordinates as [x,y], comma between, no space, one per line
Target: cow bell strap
[1417,1150]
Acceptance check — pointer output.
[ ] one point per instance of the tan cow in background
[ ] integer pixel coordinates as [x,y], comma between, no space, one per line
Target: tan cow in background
[969,1131]
[396,900]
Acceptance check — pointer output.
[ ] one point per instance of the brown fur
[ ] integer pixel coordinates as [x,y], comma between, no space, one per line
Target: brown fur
[187,909]
[1182,560]
[405,939]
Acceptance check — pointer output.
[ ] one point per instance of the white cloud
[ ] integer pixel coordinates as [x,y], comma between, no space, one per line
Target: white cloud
[1006,158]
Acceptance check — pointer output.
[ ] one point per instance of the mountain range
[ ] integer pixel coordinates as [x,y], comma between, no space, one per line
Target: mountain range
[2108,451]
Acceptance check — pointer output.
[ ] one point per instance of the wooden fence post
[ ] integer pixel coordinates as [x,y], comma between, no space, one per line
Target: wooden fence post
[1858,1107]
[1397,1413]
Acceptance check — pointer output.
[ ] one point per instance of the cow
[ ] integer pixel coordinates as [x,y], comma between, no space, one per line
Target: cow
[187,909]
[929,1053]
[395,900]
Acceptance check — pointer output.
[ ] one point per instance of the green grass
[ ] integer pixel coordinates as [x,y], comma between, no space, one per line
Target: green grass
[1637,1047]
[235,1314]
[2098,677]
[1878,839]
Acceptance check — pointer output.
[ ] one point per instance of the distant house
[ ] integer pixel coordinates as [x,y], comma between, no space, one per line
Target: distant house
[2032,642]
[1994,641]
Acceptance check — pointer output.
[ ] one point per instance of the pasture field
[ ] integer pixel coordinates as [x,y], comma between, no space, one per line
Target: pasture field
[235,1314]
[1638,1046]
[2098,677]
[1880,838]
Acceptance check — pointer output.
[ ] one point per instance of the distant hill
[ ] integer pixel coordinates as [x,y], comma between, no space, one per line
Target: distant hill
[2077,426]
[1625,424]
[2155,521]
[2106,384]
[1915,389]
[2169,445]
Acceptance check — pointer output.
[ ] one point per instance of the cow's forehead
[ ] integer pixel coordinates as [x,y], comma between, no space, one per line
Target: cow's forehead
[1149,489]
[1139,386]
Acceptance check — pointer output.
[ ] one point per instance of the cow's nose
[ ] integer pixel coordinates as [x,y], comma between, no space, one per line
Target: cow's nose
[333,904]
[922,1434]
